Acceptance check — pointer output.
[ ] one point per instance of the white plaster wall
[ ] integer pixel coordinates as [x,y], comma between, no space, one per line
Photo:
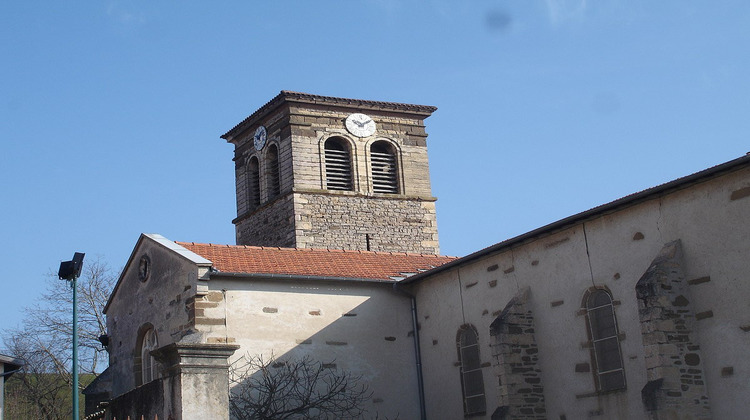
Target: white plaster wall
[715,236]
[280,318]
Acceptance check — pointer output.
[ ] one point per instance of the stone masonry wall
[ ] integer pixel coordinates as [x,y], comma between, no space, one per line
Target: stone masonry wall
[270,225]
[343,221]
[279,136]
[676,384]
[319,218]
[517,362]
[312,126]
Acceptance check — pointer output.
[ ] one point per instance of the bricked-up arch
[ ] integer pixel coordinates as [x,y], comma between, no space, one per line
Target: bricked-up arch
[384,169]
[253,183]
[338,164]
[273,183]
[606,355]
[144,364]
[472,381]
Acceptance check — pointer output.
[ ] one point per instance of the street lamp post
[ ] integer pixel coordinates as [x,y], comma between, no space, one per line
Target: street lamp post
[70,271]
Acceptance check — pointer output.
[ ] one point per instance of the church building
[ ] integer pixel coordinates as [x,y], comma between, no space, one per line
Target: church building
[634,309]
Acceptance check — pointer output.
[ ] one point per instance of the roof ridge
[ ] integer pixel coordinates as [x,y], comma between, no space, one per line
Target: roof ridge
[329,250]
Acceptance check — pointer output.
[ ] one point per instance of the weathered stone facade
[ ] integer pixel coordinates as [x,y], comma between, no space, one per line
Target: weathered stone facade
[298,126]
[364,222]
[676,384]
[271,224]
[517,362]
[671,264]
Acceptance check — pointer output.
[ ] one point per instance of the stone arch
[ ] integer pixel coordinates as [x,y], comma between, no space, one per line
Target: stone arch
[385,170]
[145,368]
[338,163]
[470,364]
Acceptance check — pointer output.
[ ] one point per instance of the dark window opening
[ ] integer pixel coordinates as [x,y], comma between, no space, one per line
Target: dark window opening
[472,381]
[253,183]
[272,172]
[383,167]
[608,369]
[338,165]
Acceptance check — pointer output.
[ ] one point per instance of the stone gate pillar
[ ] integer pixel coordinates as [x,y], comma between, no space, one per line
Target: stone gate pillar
[199,378]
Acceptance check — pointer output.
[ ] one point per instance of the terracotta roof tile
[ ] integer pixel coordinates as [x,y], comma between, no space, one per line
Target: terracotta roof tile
[384,266]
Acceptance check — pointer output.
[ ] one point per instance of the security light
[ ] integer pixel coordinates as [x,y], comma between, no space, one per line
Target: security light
[70,270]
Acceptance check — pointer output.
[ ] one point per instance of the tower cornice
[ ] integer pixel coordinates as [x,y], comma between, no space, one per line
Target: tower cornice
[287,96]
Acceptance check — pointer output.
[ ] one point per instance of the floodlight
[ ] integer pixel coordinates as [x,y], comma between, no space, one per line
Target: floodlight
[70,270]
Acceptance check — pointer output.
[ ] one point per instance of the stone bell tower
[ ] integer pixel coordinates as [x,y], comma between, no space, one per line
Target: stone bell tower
[322,172]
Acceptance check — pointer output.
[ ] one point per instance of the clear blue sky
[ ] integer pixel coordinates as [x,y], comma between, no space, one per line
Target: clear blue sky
[111,111]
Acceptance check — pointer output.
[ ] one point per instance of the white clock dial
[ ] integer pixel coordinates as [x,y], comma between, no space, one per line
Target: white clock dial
[259,139]
[360,125]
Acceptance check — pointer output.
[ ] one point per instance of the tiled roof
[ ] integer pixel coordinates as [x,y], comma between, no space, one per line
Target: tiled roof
[384,266]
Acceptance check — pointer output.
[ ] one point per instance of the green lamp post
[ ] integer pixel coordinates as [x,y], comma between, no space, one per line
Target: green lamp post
[70,271]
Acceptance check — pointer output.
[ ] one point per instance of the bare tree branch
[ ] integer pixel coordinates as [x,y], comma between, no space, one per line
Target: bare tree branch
[302,388]
[44,342]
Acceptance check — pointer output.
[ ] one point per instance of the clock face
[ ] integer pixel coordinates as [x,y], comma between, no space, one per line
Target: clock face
[360,125]
[259,139]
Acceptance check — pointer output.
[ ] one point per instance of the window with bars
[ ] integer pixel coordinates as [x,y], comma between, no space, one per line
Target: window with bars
[148,364]
[608,370]
[272,172]
[472,382]
[146,367]
[253,183]
[383,168]
[338,165]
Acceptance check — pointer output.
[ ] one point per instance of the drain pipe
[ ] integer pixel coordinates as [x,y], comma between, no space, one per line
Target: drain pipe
[417,351]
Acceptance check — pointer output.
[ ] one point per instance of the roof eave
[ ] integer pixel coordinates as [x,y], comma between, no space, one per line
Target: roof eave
[619,204]
[296,277]
[287,96]
[161,240]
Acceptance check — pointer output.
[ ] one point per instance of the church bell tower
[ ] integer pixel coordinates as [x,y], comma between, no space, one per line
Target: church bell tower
[322,172]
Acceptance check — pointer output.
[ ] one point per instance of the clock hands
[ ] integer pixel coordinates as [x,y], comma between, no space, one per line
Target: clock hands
[363,123]
[360,125]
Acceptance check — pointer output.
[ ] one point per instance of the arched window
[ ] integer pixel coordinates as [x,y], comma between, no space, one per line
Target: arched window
[272,172]
[472,382]
[383,168]
[253,183]
[145,364]
[606,354]
[338,165]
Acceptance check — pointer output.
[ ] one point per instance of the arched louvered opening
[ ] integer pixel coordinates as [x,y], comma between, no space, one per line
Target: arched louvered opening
[272,172]
[472,381]
[608,369]
[338,165]
[253,183]
[383,168]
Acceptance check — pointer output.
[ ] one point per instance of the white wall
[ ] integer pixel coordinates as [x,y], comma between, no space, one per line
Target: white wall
[363,328]
[714,232]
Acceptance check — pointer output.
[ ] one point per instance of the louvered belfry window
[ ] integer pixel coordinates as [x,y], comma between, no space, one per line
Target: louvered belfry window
[253,183]
[472,381]
[608,368]
[272,172]
[338,165]
[383,167]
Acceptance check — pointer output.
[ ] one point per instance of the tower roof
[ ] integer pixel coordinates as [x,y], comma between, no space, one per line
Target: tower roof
[287,96]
